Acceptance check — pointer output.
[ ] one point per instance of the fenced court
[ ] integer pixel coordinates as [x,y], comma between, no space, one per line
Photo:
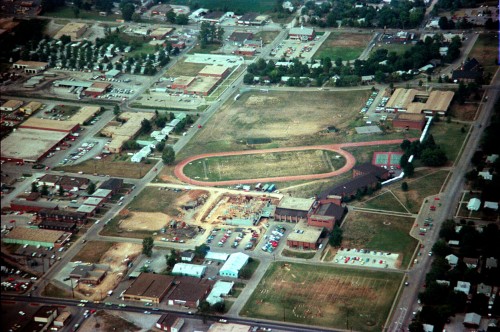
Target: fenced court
[386,159]
[324,296]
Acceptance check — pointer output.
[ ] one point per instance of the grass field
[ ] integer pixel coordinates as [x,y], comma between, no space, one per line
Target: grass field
[52,290]
[267,36]
[325,296]
[67,12]
[380,232]
[109,167]
[277,119]
[151,199]
[382,201]
[112,228]
[296,254]
[184,68]
[421,185]
[398,48]
[486,52]
[343,45]
[449,137]
[239,6]
[262,165]
[92,251]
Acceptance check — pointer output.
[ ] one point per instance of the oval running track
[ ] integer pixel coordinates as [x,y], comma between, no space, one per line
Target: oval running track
[350,162]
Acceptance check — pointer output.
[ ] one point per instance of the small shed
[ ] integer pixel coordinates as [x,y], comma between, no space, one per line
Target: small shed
[472,320]
[474,204]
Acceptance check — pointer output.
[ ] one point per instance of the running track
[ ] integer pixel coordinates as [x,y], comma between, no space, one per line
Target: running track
[350,162]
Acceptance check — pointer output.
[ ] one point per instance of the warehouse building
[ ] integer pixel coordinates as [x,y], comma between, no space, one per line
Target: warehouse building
[74,30]
[233,265]
[417,102]
[149,287]
[219,71]
[35,237]
[160,33]
[51,125]
[304,236]
[31,67]
[252,19]
[293,209]
[202,85]
[91,274]
[170,323]
[188,291]
[302,33]
[11,105]
[220,290]
[121,132]
[85,114]
[191,270]
[409,121]
[31,107]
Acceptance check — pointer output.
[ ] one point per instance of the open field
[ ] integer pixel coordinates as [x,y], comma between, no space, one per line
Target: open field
[396,47]
[380,232]
[151,199]
[324,296]
[449,137]
[239,6]
[52,290]
[67,12]
[307,189]
[93,251]
[108,321]
[382,201]
[465,112]
[264,165]
[267,36]
[422,184]
[486,52]
[122,169]
[347,46]
[277,119]
[183,68]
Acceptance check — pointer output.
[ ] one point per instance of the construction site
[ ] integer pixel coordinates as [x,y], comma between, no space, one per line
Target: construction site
[241,210]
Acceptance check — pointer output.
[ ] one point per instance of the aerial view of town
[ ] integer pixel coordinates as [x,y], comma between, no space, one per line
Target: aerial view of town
[245,166]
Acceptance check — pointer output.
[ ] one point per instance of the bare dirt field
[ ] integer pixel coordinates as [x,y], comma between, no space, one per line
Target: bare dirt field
[107,321]
[465,112]
[324,296]
[277,119]
[117,258]
[140,221]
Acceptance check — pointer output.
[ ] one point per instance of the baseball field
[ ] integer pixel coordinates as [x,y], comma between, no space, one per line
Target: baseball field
[325,296]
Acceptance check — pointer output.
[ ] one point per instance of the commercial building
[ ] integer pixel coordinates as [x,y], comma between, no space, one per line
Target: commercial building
[121,132]
[182,82]
[31,67]
[35,237]
[97,89]
[104,194]
[246,51]
[62,320]
[89,210]
[233,265]
[31,206]
[85,113]
[51,125]
[302,33]
[213,17]
[91,274]
[409,121]
[160,33]
[293,209]
[239,37]
[219,71]
[113,184]
[31,107]
[149,287]
[216,256]
[229,327]
[11,105]
[326,213]
[304,236]
[252,19]
[191,270]
[415,101]
[220,290]
[161,10]
[188,291]
[202,85]
[170,323]
[62,216]
[74,30]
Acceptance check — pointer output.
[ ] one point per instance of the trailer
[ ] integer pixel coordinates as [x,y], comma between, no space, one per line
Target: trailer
[258,186]
[271,188]
[265,187]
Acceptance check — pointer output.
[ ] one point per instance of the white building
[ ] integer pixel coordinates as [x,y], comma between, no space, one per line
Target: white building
[221,289]
[474,204]
[452,260]
[462,286]
[143,153]
[191,270]
[233,265]
[216,256]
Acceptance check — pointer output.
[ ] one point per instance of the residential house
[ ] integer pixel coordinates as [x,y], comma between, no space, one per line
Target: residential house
[491,263]
[472,320]
[482,288]
[170,323]
[187,256]
[471,263]
[452,260]
[462,286]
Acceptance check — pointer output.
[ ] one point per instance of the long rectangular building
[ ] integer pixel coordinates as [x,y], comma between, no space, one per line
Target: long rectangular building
[417,102]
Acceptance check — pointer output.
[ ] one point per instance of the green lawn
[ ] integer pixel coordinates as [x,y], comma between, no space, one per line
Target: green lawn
[262,165]
[342,45]
[381,233]
[385,201]
[150,199]
[324,296]
[398,48]
[67,12]
[485,50]
[449,137]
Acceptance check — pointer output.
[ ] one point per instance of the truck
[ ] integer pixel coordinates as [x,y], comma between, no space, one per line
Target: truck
[271,188]
[258,186]
[265,187]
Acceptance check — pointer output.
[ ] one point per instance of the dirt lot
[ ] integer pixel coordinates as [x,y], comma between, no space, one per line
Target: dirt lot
[122,169]
[107,321]
[145,221]
[465,112]
[117,258]
[277,119]
[341,292]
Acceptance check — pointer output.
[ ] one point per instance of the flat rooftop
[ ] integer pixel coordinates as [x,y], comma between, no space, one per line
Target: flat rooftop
[295,203]
[85,113]
[184,80]
[203,84]
[150,285]
[49,124]
[213,70]
[38,235]
[29,144]
[309,234]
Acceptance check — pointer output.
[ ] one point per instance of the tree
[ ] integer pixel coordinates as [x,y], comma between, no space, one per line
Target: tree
[201,251]
[219,307]
[34,187]
[172,258]
[136,17]
[204,310]
[404,186]
[409,170]
[76,12]
[171,16]
[61,191]
[146,126]
[91,188]
[168,155]
[116,110]
[127,11]
[416,326]
[182,19]
[336,236]
[160,146]
[147,246]
[45,190]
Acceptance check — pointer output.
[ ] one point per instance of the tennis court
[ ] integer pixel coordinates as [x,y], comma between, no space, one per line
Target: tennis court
[386,159]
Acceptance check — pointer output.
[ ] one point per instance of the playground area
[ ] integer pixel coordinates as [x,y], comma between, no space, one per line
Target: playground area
[389,160]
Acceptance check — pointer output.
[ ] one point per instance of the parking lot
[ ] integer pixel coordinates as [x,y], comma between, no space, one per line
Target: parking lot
[291,49]
[234,238]
[368,258]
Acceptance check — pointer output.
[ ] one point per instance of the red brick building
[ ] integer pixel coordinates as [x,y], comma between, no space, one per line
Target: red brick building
[31,206]
[326,213]
[409,121]
[62,216]
[246,51]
